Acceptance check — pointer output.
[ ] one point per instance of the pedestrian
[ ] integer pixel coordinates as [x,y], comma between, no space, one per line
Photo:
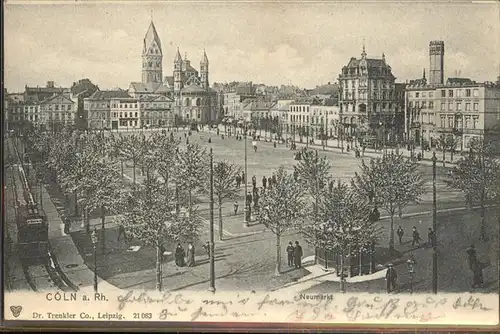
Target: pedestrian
[67,225]
[206,247]
[209,140]
[416,237]
[391,277]
[264,182]
[478,278]
[190,255]
[185,135]
[256,200]
[254,144]
[274,144]
[121,231]
[238,180]
[400,234]
[430,238]
[471,252]
[235,205]
[254,181]
[297,255]
[243,178]
[289,251]
[187,141]
[179,256]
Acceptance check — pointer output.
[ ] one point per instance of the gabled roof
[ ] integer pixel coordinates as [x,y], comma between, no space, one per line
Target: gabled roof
[109,94]
[192,89]
[152,35]
[370,62]
[152,98]
[168,80]
[190,68]
[258,105]
[58,96]
[164,88]
[140,87]
[452,81]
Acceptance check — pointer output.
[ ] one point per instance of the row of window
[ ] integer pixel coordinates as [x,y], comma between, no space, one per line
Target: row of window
[451,122]
[125,105]
[375,95]
[458,106]
[376,107]
[364,82]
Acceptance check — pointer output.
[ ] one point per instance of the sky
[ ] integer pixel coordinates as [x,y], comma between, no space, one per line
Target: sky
[300,43]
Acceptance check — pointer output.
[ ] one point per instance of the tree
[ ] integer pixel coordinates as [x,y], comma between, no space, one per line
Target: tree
[345,225]
[151,218]
[224,185]
[313,175]
[475,175]
[282,208]
[128,148]
[365,182]
[192,170]
[397,184]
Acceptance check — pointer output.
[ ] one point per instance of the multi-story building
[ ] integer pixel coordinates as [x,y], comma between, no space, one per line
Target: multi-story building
[97,108]
[125,113]
[312,117]
[234,100]
[55,111]
[463,109]
[157,111]
[367,97]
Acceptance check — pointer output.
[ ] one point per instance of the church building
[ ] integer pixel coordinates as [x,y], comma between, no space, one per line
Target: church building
[193,101]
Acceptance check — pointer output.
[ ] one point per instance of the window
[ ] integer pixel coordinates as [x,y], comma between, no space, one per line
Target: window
[424,104]
[450,106]
[476,106]
[409,94]
[475,122]
[459,106]
[467,106]
[411,104]
[431,94]
[417,104]
[430,118]
[431,104]
[424,94]
[467,92]
[417,94]
[467,122]
[121,115]
[459,92]
[443,121]
[136,114]
[443,106]
[476,92]
[56,107]
[450,93]
[450,121]
[443,93]
[126,105]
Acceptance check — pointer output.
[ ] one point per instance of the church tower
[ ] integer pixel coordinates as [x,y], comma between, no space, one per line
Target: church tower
[177,72]
[436,59]
[152,57]
[204,71]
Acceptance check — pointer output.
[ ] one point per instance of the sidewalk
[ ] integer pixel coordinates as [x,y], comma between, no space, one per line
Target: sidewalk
[70,261]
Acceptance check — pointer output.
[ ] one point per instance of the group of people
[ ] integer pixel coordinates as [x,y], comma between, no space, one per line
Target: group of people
[431,236]
[294,254]
[180,255]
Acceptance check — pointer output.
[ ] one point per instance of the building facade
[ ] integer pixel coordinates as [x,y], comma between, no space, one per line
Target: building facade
[464,111]
[367,97]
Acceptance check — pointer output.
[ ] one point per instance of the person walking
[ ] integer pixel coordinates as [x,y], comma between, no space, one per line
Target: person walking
[235,206]
[400,234]
[190,255]
[254,181]
[297,255]
[289,251]
[416,237]
[121,231]
[238,181]
[254,144]
[264,182]
[430,238]
[179,256]
[67,225]
[391,277]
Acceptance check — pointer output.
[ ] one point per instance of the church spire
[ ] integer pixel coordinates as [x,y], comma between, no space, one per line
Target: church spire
[423,75]
[178,57]
[363,54]
[204,58]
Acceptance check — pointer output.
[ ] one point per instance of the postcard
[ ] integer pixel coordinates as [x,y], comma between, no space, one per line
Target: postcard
[265,164]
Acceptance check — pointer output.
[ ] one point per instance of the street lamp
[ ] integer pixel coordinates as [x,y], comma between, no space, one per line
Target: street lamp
[434,226]
[410,265]
[212,248]
[245,180]
[94,243]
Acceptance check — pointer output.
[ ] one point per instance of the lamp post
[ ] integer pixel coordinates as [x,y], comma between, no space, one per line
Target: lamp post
[212,248]
[245,180]
[94,243]
[410,265]
[434,226]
